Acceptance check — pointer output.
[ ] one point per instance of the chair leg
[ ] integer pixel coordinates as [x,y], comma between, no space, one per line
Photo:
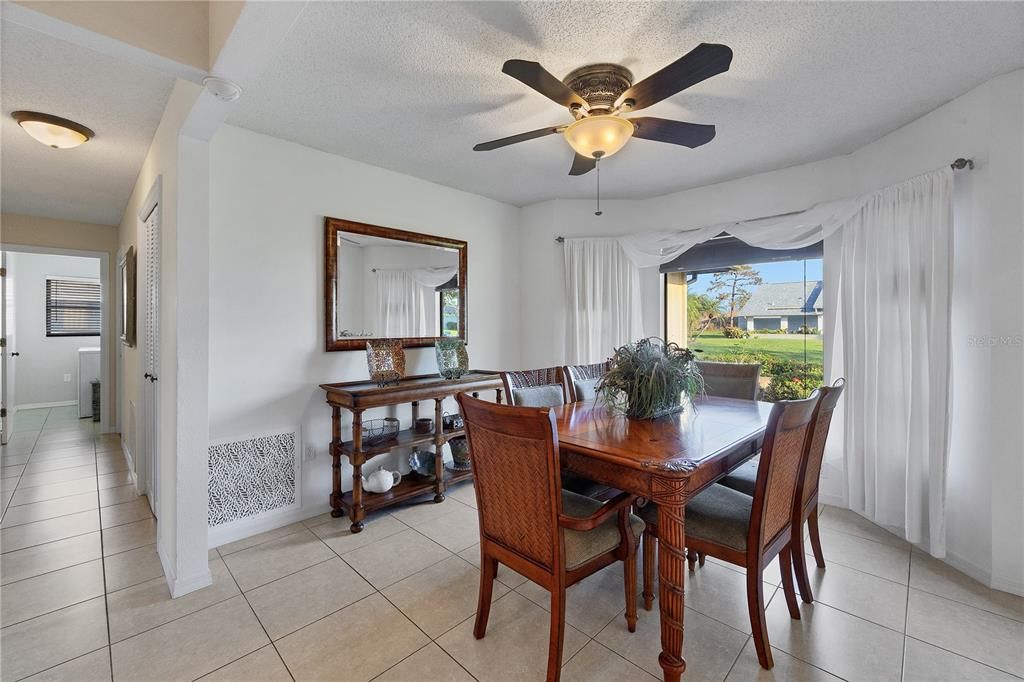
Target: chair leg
[701,556]
[557,634]
[758,623]
[812,526]
[786,567]
[649,543]
[629,571]
[691,560]
[803,581]
[488,570]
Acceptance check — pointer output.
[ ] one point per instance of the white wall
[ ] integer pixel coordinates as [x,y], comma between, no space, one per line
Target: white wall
[986,469]
[43,361]
[268,199]
[183,555]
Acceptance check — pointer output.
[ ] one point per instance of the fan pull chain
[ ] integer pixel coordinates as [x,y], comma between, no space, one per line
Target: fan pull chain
[597,166]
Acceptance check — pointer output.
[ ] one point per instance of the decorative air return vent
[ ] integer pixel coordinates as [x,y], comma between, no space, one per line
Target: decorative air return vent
[251,477]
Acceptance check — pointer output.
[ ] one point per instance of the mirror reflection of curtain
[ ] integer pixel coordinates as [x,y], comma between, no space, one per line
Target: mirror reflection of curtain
[406,305]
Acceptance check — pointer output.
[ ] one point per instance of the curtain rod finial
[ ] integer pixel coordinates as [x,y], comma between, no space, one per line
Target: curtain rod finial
[962,163]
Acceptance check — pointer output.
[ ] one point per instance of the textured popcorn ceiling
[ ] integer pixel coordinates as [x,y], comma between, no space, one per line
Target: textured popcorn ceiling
[120,102]
[413,86]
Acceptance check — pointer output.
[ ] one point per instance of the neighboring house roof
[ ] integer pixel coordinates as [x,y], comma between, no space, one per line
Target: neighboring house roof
[784,298]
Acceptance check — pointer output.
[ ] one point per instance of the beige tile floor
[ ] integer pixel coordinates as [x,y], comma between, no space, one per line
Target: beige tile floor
[83,597]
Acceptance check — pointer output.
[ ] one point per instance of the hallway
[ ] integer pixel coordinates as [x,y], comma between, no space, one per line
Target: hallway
[73,529]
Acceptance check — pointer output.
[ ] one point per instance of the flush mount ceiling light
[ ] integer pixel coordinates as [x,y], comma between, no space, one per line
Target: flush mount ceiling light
[53,131]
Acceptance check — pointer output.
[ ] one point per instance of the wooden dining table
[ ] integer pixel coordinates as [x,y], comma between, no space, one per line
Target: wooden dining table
[667,461]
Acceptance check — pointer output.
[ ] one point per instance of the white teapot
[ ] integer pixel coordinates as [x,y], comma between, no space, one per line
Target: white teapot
[381,480]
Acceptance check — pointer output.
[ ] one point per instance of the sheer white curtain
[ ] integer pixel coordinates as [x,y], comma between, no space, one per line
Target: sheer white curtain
[895,257]
[602,288]
[405,300]
[888,272]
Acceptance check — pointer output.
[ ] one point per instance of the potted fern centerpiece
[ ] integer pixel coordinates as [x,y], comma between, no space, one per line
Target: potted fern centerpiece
[649,378]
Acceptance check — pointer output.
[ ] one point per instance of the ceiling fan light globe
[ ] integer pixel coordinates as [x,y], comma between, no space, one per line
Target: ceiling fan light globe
[598,136]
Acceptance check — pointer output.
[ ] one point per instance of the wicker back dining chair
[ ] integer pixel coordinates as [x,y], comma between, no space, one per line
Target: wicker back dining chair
[547,387]
[730,379]
[543,387]
[581,380]
[744,479]
[750,531]
[527,522]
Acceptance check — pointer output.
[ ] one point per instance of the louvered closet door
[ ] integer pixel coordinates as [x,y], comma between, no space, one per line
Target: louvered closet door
[151,356]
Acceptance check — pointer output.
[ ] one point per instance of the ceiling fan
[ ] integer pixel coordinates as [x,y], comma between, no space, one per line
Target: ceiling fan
[597,95]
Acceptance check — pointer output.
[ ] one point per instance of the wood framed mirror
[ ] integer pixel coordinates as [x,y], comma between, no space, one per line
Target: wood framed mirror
[382,282]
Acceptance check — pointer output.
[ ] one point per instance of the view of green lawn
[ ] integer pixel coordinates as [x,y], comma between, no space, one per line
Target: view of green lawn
[783,346]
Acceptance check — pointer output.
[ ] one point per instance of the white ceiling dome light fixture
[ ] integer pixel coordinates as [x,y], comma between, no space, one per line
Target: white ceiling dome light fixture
[222,88]
[53,131]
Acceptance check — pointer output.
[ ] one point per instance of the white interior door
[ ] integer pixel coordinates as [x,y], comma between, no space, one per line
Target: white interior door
[7,364]
[150,394]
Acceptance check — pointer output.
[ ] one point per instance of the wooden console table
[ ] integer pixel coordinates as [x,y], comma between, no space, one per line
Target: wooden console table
[357,396]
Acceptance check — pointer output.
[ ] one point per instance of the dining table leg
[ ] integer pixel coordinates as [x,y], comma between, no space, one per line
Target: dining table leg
[671,577]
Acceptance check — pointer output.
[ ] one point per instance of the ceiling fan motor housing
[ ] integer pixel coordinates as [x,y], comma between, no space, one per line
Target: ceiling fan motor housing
[600,85]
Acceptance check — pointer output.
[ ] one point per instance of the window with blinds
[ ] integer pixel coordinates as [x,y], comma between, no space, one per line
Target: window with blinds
[73,307]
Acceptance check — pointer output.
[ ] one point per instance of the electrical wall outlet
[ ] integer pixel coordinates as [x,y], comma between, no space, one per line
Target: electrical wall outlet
[67,378]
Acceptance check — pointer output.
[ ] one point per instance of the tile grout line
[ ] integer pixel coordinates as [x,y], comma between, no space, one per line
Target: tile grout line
[103,563]
[27,462]
[87,653]
[964,656]
[256,616]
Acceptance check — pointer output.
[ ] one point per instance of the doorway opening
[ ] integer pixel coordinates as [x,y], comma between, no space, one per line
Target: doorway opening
[55,316]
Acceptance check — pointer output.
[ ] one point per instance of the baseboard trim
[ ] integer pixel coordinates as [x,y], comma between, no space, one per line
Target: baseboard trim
[130,458]
[179,587]
[243,528]
[39,406]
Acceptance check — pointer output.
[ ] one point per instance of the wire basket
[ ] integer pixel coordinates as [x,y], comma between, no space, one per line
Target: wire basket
[376,431]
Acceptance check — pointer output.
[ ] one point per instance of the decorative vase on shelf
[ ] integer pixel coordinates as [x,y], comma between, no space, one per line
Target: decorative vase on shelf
[421,465]
[650,378]
[460,453]
[385,358]
[452,358]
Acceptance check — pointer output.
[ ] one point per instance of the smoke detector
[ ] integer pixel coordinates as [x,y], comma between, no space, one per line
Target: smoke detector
[222,89]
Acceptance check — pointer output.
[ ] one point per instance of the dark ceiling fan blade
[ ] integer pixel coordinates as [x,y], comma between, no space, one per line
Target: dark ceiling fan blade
[674,132]
[538,78]
[702,62]
[521,137]
[582,165]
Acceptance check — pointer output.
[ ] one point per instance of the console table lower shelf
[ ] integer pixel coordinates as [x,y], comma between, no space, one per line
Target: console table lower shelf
[407,489]
[358,396]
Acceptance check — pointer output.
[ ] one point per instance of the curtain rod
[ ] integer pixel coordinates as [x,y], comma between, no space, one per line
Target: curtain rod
[959,164]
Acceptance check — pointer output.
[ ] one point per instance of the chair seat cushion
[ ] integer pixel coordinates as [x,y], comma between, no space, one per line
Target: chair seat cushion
[586,389]
[549,395]
[743,477]
[720,515]
[583,545]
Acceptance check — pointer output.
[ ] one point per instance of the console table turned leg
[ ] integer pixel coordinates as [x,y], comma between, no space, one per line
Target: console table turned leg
[357,513]
[337,511]
[439,449]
